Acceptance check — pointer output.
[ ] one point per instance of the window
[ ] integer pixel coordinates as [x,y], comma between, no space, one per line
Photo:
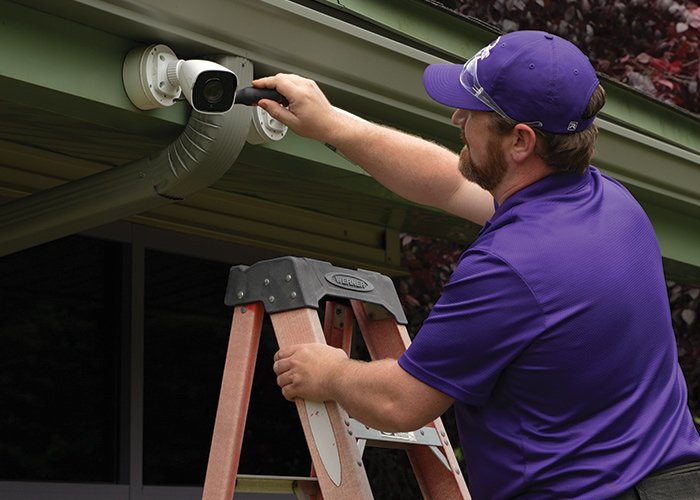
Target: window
[59,378]
[186,336]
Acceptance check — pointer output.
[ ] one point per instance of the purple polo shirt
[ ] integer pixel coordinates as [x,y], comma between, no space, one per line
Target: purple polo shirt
[554,338]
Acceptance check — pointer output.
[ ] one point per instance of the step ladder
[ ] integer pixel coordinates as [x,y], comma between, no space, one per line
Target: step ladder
[289,290]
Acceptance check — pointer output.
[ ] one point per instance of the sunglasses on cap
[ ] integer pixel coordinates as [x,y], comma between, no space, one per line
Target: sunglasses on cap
[470,81]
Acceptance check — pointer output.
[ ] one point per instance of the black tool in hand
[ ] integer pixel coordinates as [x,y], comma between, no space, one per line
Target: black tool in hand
[251,95]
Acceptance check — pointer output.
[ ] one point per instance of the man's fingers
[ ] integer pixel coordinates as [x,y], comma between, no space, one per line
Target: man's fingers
[282,359]
[269,82]
[276,111]
[286,352]
[284,84]
[281,365]
[285,379]
[303,368]
[288,394]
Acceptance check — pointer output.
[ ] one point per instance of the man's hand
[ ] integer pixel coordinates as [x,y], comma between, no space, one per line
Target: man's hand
[307,370]
[309,113]
[377,393]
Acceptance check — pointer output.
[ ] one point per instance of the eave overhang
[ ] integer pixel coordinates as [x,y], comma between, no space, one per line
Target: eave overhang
[62,68]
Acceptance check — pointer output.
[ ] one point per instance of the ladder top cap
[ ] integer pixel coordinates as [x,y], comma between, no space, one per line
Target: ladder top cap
[288,283]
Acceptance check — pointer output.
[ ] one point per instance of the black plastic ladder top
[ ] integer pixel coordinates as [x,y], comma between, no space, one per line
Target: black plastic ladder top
[288,283]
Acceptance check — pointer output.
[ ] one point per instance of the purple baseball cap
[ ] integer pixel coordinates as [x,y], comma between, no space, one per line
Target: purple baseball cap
[528,77]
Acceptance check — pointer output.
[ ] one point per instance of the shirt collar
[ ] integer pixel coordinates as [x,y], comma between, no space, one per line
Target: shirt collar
[559,182]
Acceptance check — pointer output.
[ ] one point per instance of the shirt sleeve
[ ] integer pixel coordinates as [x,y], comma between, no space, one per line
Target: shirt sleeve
[486,316]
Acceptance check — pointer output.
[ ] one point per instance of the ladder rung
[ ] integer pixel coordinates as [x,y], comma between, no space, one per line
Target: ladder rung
[427,436]
[246,483]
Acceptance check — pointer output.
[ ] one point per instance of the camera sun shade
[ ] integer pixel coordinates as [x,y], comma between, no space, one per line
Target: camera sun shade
[155,78]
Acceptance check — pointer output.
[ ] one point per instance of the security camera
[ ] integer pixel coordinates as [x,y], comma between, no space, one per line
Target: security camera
[207,86]
[154,78]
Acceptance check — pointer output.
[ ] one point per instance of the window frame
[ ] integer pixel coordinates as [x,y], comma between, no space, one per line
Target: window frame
[136,239]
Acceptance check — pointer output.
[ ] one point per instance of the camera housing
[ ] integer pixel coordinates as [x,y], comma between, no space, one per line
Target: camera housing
[207,86]
[155,78]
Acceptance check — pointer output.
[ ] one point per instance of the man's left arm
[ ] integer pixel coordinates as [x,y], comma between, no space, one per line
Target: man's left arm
[379,393]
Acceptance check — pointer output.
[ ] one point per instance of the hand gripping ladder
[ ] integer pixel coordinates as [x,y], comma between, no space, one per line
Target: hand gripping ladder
[289,290]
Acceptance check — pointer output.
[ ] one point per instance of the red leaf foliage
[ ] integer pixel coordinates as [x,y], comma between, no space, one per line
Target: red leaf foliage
[649,45]
[430,261]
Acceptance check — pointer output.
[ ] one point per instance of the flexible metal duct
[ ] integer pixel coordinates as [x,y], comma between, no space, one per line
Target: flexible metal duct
[204,151]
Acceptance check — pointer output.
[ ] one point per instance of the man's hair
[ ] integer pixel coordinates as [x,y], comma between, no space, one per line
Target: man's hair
[564,152]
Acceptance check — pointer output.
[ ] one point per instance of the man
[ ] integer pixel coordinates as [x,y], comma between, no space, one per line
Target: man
[553,338]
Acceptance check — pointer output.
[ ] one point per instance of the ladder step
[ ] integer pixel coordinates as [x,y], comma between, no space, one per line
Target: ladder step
[426,436]
[246,483]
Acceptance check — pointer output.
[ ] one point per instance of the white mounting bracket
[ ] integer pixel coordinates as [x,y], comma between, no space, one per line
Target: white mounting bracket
[145,77]
[264,128]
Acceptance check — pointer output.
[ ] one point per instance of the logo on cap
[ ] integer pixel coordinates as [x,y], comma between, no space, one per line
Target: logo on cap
[486,51]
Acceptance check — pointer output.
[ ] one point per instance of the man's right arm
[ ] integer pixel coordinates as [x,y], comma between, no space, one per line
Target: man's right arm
[416,169]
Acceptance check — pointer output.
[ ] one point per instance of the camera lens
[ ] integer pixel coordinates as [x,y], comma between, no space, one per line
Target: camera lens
[213,90]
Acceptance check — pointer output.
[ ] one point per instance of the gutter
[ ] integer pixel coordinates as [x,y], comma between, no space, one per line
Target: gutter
[201,155]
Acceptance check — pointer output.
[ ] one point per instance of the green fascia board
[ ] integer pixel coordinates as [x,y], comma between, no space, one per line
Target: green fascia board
[73,59]
[77,60]
[679,239]
[430,25]
[68,68]
[645,114]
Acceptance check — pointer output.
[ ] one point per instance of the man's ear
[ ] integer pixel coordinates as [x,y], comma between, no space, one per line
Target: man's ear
[524,142]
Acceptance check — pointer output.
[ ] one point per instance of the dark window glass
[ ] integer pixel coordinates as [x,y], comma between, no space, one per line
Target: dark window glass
[59,331]
[187,332]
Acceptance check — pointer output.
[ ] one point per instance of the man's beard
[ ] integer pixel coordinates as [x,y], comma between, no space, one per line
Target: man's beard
[487,174]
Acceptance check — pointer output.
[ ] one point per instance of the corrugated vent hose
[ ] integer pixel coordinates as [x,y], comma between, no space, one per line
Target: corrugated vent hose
[206,149]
